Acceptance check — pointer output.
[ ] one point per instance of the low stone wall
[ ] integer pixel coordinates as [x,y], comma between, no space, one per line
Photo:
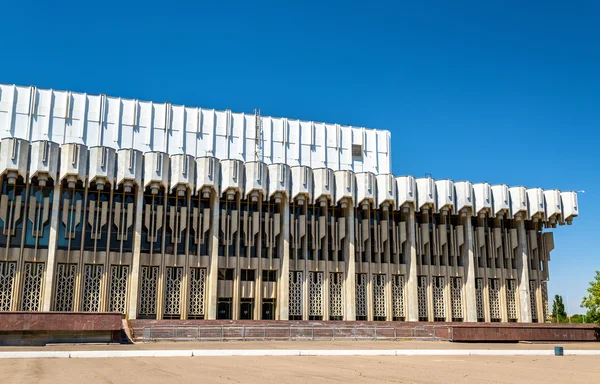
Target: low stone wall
[40,328]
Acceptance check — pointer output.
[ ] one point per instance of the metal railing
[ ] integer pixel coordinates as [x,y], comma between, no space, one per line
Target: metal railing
[293,332]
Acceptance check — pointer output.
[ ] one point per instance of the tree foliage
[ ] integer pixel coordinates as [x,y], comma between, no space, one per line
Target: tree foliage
[558,309]
[592,300]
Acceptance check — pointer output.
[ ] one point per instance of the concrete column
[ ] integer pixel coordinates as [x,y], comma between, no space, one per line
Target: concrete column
[412,296]
[134,281]
[284,257]
[521,260]
[52,243]
[350,263]
[213,269]
[469,265]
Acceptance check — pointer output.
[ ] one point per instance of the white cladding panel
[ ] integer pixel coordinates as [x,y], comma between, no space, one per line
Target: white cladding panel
[445,195]
[102,165]
[14,157]
[464,195]
[535,202]
[553,204]
[501,200]
[426,193]
[183,172]
[365,188]
[232,175]
[345,186]
[73,161]
[407,190]
[386,190]
[97,120]
[208,173]
[483,198]
[569,205]
[280,179]
[256,178]
[44,160]
[324,184]
[129,167]
[156,169]
[302,182]
[518,200]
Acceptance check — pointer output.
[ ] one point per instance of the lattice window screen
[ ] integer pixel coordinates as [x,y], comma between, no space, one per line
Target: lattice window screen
[439,304]
[479,298]
[118,288]
[174,280]
[7,278]
[532,299]
[65,287]
[494,297]
[149,280]
[456,297]
[379,299]
[545,300]
[91,289]
[32,286]
[336,284]
[361,294]
[511,299]
[197,284]
[422,296]
[296,279]
[315,293]
[398,295]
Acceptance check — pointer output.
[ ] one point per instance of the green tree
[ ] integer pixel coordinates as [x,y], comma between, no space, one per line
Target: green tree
[577,318]
[592,300]
[558,309]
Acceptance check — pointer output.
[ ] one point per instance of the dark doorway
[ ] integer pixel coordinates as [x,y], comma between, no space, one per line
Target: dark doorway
[268,309]
[224,309]
[247,309]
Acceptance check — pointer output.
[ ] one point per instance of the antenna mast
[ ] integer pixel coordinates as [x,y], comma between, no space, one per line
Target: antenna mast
[258,135]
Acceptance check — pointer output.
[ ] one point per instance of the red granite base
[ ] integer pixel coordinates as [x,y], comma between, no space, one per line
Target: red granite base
[458,332]
[40,328]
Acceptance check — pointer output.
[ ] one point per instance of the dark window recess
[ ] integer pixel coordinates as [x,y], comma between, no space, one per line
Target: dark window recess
[357,151]
[248,274]
[225,273]
[269,276]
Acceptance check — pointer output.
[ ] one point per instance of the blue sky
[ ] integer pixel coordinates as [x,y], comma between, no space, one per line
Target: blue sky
[506,93]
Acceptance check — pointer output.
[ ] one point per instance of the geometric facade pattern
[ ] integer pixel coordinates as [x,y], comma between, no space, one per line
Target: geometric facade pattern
[173,290]
[361,295]
[32,287]
[7,277]
[511,298]
[456,297]
[379,309]
[197,284]
[296,279]
[92,286]
[315,293]
[336,283]
[494,298]
[439,307]
[545,300]
[422,295]
[532,294]
[479,299]
[149,280]
[65,287]
[118,288]
[398,304]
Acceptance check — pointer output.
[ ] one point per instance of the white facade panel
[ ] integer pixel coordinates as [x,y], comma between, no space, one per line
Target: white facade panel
[553,205]
[232,176]
[501,200]
[570,206]
[426,193]
[386,190]
[407,190]
[366,189]
[535,203]
[518,201]
[129,168]
[302,182]
[445,195]
[280,180]
[183,173]
[208,175]
[464,196]
[324,184]
[14,158]
[102,166]
[483,198]
[256,178]
[345,186]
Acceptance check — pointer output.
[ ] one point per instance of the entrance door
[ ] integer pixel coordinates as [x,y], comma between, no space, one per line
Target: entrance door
[224,309]
[268,310]
[246,310]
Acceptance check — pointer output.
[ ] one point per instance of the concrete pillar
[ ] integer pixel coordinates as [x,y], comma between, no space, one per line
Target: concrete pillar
[411,265]
[52,243]
[521,260]
[469,265]
[350,263]
[134,281]
[213,269]
[284,257]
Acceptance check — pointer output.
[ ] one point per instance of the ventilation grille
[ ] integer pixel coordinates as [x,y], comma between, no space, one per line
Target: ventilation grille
[357,152]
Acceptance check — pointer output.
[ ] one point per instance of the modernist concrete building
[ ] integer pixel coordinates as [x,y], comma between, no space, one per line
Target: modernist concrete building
[171,212]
